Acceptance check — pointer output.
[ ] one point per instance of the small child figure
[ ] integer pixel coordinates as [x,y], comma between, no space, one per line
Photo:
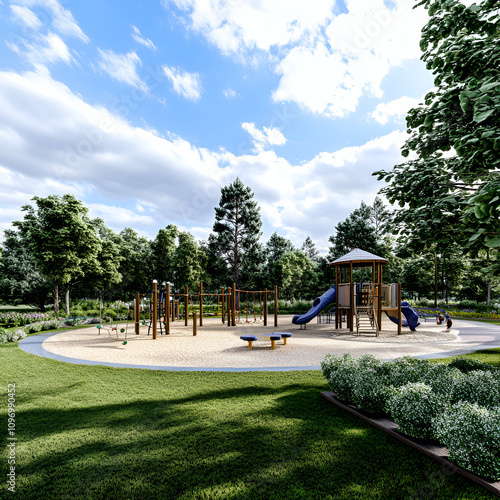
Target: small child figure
[449,323]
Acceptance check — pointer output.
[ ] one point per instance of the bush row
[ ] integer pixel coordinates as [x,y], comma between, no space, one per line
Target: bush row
[427,400]
[471,314]
[464,305]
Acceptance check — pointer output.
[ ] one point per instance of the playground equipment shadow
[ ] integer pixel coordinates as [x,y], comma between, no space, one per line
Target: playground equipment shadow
[219,348]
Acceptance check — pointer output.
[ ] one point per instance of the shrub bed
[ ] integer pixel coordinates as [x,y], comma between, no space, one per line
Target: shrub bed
[458,407]
[472,435]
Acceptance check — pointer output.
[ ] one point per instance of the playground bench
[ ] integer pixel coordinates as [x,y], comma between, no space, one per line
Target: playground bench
[272,337]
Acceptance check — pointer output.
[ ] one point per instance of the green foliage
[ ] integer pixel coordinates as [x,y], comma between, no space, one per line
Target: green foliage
[163,248]
[296,275]
[472,435]
[356,231]
[21,280]
[466,365]
[448,193]
[237,227]
[481,387]
[61,238]
[413,407]
[187,267]
[109,313]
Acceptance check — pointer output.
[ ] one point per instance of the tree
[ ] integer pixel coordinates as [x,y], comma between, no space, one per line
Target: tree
[297,275]
[21,281]
[187,262]
[354,232]
[62,240]
[448,189]
[163,248]
[276,248]
[107,273]
[237,226]
[309,249]
[136,266]
[379,217]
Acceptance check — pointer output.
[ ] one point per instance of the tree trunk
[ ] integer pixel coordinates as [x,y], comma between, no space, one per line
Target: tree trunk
[101,303]
[56,299]
[488,281]
[66,299]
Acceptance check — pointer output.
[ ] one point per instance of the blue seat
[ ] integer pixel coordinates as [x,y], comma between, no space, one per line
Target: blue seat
[249,339]
[284,336]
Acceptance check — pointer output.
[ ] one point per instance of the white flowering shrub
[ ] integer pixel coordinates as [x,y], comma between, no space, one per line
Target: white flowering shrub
[442,378]
[481,387]
[406,370]
[341,378]
[413,406]
[12,336]
[370,390]
[34,328]
[472,435]
[331,363]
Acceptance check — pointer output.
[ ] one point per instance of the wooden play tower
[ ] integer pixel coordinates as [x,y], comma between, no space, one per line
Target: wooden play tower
[362,304]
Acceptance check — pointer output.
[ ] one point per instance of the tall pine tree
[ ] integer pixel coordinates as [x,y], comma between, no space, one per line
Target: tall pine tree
[237,227]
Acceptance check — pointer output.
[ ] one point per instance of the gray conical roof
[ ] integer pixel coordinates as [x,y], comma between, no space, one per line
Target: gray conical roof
[358,257]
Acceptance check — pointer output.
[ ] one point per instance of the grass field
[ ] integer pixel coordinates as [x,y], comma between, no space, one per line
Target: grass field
[107,433]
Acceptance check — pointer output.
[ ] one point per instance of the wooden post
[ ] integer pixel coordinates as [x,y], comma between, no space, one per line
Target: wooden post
[351,307]
[398,298]
[201,304]
[275,305]
[228,308]
[195,326]
[435,280]
[186,305]
[265,307]
[137,313]
[380,292]
[155,309]
[167,310]
[218,297]
[223,316]
[337,299]
[233,306]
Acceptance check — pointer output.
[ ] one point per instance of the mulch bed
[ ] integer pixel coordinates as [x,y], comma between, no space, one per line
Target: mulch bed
[436,452]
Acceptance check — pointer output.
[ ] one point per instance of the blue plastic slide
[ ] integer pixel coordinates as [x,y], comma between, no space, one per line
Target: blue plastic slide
[410,315]
[317,306]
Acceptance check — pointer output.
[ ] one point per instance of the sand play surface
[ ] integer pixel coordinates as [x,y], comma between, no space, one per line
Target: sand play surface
[218,345]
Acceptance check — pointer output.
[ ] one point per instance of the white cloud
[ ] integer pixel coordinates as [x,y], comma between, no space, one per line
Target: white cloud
[237,25]
[136,35]
[47,132]
[229,93]
[62,19]
[360,48]
[47,49]
[317,80]
[393,109]
[326,61]
[117,216]
[263,139]
[184,83]
[26,16]
[122,67]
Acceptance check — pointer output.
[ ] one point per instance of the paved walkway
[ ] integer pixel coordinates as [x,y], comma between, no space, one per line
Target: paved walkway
[219,348]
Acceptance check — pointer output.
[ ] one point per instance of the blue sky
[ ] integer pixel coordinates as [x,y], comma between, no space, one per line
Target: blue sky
[144,110]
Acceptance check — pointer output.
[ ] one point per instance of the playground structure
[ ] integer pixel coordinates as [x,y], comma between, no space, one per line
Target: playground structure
[164,307]
[364,303]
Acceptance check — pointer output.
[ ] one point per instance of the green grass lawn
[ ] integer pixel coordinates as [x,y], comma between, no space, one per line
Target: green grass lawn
[491,356]
[98,432]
